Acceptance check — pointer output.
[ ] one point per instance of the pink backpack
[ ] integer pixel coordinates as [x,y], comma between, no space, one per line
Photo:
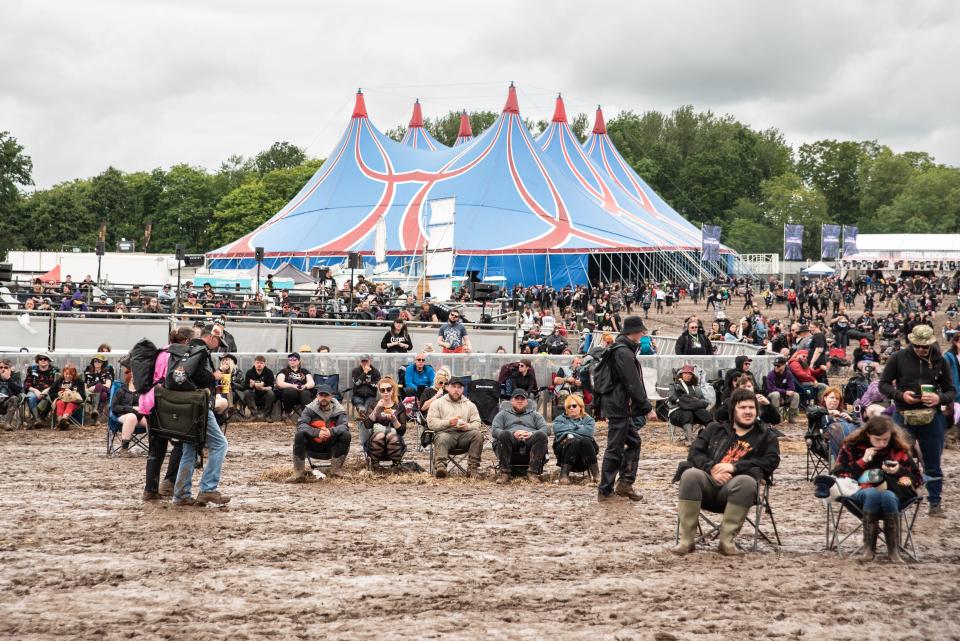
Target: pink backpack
[159,373]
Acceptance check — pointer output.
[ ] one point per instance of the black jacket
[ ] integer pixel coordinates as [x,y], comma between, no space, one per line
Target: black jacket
[910,372]
[10,387]
[203,377]
[685,345]
[391,342]
[736,370]
[715,440]
[629,397]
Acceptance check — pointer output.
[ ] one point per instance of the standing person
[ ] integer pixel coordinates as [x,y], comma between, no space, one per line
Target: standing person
[627,409]
[693,341]
[216,444]
[919,382]
[453,335]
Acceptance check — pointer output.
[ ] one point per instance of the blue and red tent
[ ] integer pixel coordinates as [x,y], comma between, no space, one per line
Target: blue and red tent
[521,213]
[465,134]
[417,135]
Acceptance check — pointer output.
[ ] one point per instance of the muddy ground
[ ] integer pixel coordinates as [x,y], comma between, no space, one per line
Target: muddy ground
[371,556]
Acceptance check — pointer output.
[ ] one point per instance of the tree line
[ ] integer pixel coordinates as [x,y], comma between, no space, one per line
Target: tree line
[712,169]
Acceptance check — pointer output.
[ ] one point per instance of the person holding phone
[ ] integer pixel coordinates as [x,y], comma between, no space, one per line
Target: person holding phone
[878,457]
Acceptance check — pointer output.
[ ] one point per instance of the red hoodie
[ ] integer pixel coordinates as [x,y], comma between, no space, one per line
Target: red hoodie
[803,372]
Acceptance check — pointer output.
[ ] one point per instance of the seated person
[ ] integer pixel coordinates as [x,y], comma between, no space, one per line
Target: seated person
[429,394]
[456,423]
[831,419]
[364,378]
[573,442]
[98,377]
[566,381]
[747,451]
[521,376]
[294,385]
[418,374]
[10,390]
[741,367]
[67,394]
[382,431]
[519,428]
[40,376]
[257,391]
[768,414]
[687,406]
[865,358]
[126,407]
[782,388]
[877,455]
[807,377]
[228,388]
[322,429]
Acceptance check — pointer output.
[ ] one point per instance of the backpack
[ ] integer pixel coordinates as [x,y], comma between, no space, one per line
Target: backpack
[855,388]
[555,344]
[143,357]
[597,374]
[185,362]
[646,346]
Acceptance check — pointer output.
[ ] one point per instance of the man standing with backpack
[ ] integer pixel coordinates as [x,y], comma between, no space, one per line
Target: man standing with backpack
[623,402]
[203,375]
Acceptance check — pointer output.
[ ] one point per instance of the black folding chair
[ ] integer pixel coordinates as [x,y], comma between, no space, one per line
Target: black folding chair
[835,539]
[708,529]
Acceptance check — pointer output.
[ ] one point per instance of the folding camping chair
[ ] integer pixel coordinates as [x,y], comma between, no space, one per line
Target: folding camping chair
[821,443]
[76,418]
[139,437]
[908,517]
[457,457]
[709,529]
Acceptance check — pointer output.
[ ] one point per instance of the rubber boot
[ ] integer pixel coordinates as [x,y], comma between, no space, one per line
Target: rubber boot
[870,531]
[299,471]
[688,433]
[564,475]
[733,517]
[891,532]
[594,470]
[336,465]
[688,513]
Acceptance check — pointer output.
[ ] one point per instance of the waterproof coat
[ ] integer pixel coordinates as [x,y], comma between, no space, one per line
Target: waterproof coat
[629,396]
[714,441]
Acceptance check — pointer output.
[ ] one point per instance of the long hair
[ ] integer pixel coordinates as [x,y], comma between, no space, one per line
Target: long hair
[878,426]
[831,390]
[394,393]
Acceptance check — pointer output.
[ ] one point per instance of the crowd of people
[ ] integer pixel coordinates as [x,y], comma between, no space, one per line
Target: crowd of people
[896,424]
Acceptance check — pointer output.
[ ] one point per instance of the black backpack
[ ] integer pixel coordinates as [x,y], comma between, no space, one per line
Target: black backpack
[597,376]
[185,362]
[143,359]
[855,388]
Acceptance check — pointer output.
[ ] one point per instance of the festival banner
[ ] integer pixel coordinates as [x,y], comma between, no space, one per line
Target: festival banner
[829,241]
[849,240]
[710,242]
[793,242]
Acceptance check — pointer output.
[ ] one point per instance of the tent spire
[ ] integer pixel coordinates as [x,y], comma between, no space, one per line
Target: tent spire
[511,106]
[465,130]
[560,113]
[417,119]
[359,107]
[599,126]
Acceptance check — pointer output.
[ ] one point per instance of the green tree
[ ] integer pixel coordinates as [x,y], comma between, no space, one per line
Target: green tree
[749,230]
[281,155]
[15,172]
[59,217]
[185,209]
[788,199]
[446,128]
[835,168]
[580,125]
[928,204]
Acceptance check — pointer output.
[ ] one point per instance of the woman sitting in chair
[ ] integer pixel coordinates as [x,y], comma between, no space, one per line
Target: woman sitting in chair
[687,405]
[125,408]
[573,441]
[98,377]
[831,419]
[382,431]
[68,395]
[878,456]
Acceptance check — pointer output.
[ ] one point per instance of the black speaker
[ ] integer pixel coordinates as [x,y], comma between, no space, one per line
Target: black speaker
[258,254]
[354,260]
[194,260]
[482,291]
[101,247]
[179,252]
[6,272]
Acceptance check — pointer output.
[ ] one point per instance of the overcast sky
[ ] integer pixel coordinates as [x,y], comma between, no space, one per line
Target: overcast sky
[138,85]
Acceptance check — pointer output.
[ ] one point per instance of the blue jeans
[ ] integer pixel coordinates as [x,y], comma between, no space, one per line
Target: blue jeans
[877,501]
[217,446]
[930,437]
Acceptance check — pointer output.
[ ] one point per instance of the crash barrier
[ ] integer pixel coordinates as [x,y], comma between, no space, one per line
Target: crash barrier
[660,369]
[64,331]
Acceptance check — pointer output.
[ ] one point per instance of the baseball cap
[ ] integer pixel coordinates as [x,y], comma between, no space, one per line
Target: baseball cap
[864,342]
[779,361]
[519,393]
[324,389]
[295,355]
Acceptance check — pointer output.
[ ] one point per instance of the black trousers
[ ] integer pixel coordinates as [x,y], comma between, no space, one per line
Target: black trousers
[156,452]
[259,398]
[290,397]
[338,445]
[578,453]
[694,417]
[622,455]
[535,447]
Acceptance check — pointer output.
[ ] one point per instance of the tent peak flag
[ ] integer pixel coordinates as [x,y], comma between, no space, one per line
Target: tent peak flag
[511,106]
[465,130]
[560,113]
[359,107]
[417,119]
[599,126]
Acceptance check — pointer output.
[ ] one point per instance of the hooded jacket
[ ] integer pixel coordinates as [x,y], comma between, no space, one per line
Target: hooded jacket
[335,417]
[781,383]
[800,372]
[910,372]
[737,369]
[687,396]
[629,396]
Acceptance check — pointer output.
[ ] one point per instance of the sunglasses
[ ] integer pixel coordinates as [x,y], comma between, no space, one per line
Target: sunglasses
[385,389]
[293,358]
[4,368]
[420,360]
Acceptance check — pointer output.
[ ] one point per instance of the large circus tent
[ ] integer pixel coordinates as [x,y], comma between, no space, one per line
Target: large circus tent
[516,209]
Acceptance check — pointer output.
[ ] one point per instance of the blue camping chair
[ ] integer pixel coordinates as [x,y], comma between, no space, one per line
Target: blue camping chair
[139,437]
